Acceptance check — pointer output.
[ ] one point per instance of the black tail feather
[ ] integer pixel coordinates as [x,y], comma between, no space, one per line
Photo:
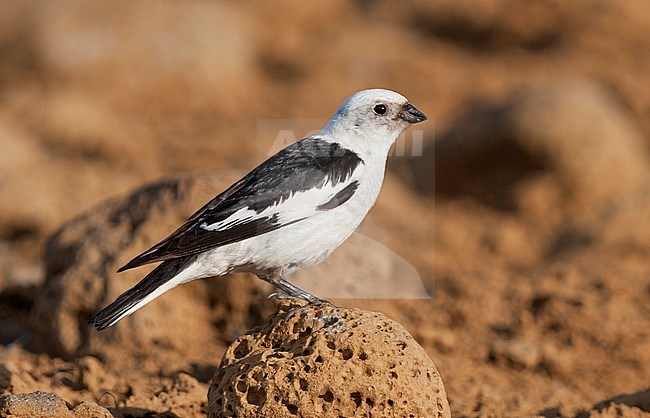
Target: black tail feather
[110,315]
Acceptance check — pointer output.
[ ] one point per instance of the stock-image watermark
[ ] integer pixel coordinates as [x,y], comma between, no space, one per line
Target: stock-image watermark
[276,134]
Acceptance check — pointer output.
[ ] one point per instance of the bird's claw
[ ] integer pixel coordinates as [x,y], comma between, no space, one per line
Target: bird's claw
[280,295]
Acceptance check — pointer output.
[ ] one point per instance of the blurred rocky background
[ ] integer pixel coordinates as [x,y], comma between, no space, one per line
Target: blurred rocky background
[522,204]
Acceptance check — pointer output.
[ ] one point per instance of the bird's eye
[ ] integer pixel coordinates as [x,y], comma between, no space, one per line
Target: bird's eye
[379,109]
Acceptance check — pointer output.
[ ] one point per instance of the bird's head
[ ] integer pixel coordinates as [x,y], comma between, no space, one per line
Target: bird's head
[373,115]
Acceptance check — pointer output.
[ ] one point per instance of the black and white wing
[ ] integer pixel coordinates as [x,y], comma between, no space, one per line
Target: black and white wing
[307,177]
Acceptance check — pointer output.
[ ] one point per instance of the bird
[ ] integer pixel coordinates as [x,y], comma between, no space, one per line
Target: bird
[290,212]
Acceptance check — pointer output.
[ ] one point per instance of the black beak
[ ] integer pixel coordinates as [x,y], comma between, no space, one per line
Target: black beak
[410,114]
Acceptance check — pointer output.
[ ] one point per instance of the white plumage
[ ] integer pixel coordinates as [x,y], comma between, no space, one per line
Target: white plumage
[290,212]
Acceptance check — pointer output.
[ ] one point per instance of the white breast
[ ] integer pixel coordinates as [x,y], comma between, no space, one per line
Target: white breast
[306,242]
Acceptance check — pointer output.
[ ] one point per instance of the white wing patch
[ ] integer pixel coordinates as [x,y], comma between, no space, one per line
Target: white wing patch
[299,205]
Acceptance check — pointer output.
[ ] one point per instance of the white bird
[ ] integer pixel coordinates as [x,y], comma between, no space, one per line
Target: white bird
[290,212]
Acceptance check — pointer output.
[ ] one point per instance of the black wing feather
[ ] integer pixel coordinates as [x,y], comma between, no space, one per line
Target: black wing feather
[303,165]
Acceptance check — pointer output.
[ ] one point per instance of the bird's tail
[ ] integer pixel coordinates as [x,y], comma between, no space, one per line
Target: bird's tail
[161,279]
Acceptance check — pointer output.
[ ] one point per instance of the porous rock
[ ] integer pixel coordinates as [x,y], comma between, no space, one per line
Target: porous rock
[322,361]
[43,404]
[36,404]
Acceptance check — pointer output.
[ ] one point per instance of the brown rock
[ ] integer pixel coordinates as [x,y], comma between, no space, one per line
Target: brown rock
[568,145]
[43,404]
[327,361]
[486,25]
[627,406]
[82,257]
[616,411]
[91,410]
[586,136]
[35,404]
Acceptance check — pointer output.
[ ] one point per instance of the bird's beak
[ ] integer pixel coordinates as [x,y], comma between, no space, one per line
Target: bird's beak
[410,114]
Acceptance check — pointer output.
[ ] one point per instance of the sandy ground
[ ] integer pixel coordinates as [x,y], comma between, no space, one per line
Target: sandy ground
[533,241]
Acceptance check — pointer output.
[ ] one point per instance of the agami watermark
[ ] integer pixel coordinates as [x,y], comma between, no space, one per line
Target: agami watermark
[276,134]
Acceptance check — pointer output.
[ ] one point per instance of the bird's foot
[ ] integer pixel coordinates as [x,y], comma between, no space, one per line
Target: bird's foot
[288,291]
[279,295]
[293,303]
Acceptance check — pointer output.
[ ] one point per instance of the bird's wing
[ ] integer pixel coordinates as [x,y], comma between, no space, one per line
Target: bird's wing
[307,177]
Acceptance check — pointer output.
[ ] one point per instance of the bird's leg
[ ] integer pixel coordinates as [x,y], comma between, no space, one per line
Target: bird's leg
[279,293]
[292,290]
[295,291]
